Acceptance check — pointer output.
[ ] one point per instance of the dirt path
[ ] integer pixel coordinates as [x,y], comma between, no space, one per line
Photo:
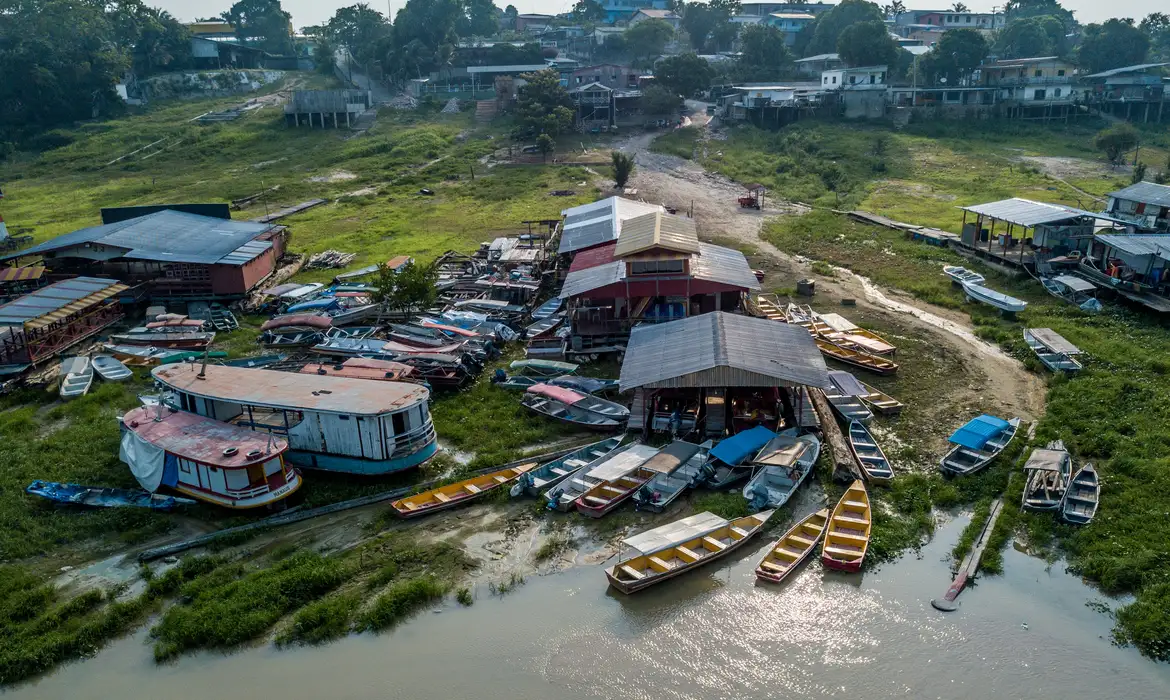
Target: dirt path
[1006,386]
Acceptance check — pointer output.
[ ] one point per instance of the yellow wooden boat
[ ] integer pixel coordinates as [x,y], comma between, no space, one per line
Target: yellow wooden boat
[644,570]
[458,493]
[847,537]
[770,309]
[793,548]
[881,402]
[855,358]
[846,332]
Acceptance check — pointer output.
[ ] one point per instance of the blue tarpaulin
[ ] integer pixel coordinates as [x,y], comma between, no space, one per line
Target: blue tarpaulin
[975,434]
[737,448]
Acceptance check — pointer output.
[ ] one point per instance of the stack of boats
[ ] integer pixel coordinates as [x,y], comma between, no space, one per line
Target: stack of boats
[836,336]
[1051,485]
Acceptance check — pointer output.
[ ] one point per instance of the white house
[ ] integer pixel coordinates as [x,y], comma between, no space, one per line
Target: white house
[867,78]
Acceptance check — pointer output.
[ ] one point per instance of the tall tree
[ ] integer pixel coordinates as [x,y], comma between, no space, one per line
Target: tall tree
[648,39]
[894,9]
[831,24]
[361,29]
[1031,37]
[867,44]
[423,38]
[1114,44]
[543,104]
[163,44]
[956,56]
[960,7]
[1157,28]
[263,22]
[479,19]
[763,53]
[588,11]
[1022,9]
[685,74]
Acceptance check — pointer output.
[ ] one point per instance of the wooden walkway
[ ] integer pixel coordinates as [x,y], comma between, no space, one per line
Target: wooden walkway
[289,211]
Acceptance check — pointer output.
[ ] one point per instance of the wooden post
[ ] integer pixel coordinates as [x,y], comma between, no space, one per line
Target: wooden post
[845,468]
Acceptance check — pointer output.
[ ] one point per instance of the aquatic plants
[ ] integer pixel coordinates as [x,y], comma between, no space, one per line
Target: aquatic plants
[321,621]
[400,600]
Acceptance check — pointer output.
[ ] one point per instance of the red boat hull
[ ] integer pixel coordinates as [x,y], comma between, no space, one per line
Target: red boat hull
[599,511]
[851,567]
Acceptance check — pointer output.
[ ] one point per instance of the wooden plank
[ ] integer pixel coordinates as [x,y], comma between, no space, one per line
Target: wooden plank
[289,211]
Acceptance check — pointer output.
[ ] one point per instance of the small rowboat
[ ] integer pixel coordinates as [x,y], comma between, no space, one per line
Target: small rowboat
[881,402]
[456,494]
[574,407]
[615,464]
[76,377]
[665,488]
[999,300]
[111,369]
[1046,475]
[793,548]
[165,339]
[552,473]
[847,537]
[850,408]
[543,368]
[856,358]
[849,334]
[869,454]
[645,570]
[608,495]
[1080,500]
[977,443]
[804,317]
[769,309]
[959,275]
[783,464]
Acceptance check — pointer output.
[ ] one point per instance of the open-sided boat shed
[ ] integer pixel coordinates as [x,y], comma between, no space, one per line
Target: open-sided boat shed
[41,324]
[720,373]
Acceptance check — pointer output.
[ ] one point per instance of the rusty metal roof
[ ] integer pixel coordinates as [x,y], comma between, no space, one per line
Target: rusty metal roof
[202,439]
[57,301]
[657,230]
[22,274]
[285,390]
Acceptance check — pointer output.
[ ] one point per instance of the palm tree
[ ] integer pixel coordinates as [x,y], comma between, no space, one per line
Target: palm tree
[894,9]
[960,7]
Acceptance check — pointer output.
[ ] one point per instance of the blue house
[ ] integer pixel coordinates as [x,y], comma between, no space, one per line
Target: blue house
[623,10]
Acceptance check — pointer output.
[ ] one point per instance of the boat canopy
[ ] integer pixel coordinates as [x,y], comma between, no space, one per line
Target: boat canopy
[672,457]
[847,384]
[557,393]
[1075,283]
[737,448]
[676,533]
[782,451]
[976,433]
[839,323]
[1054,341]
[315,305]
[622,463]
[1045,460]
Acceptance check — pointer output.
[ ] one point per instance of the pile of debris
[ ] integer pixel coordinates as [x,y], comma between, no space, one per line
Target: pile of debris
[403,101]
[328,259]
[452,106]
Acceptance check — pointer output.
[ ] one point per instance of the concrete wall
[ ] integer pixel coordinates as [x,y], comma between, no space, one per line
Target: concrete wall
[864,104]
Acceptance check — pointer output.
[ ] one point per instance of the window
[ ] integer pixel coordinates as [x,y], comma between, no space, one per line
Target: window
[1060,73]
[825,80]
[398,420]
[578,80]
[1039,95]
[654,267]
[1039,73]
[834,80]
[872,79]
[1056,92]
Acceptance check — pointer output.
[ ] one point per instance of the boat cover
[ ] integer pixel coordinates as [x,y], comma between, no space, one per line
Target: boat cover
[847,384]
[150,464]
[557,393]
[838,323]
[1045,460]
[675,533]
[671,457]
[297,321]
[1054,341]
[1075,283]
[976,433]
[737,448]
[782,451]
[315,305]
[622,463]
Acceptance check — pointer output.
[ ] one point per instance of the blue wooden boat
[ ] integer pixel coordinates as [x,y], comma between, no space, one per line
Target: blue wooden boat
[725,463]
[552,473]
[547,309]
[256,362]
[977,443]
[869,454]
[97,497]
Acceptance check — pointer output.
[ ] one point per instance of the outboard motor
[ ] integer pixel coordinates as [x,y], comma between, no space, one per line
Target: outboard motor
[499,377]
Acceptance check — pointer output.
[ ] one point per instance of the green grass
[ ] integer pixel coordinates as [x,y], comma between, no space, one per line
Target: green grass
[971,531]
[554,546]
[321,621]
[677,142]
[728,506]
[400,601]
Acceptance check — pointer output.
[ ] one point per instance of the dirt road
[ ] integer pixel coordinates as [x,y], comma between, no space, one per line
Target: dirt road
[1001,383]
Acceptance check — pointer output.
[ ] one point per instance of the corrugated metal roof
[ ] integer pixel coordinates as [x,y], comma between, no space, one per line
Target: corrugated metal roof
[57,301]
[1126,69]
[820,57]
[165,236]
[1075,283]
[599,222]
[245,253]
[1138,244]
[657,230]
[721,349]
[711,264]
[1025,212]
[286,390]
[21,274]
[1146,193]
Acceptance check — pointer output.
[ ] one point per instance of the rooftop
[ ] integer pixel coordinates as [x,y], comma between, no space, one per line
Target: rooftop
[711,263]
[286,390]
[820,57]
[57,301]
[1139,244]
[1025,212]
[721,349]
[600,222]
[657,14]
[793,15]
[1146,193]
[168,236]
[1141,67]
[202,439]
[657,230]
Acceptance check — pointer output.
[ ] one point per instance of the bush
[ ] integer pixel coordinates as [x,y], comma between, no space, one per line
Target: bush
[623,168]
[400,601]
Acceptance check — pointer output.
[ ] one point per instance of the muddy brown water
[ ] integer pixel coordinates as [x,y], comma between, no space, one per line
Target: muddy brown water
[714,634]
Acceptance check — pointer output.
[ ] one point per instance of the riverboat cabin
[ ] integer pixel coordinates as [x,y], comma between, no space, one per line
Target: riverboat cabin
[206,459]
[332,423]
[719,374]
[42,324]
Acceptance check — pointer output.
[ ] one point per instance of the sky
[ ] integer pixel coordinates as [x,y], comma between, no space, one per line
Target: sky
[306,12]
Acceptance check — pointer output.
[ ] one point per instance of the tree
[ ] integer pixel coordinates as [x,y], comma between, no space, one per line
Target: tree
[697,22]
[588,11]
[648,38]
[546,145]
[1116,141]
[1031,37]
[867,44]
[894,9]
[163,43]
[423,37]
[958,53]
[1023,9]
[623,168]
[411,288]
[829,25]
[708,23]
[361,29]
[660,100]
[1114,44]
[1156,27]
[543,104]
[685,74]
[960,7]
[478,19]
[263,22]
[1139,173]
[763,53]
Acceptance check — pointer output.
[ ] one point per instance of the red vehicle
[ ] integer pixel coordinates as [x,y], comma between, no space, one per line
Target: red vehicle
[754,199]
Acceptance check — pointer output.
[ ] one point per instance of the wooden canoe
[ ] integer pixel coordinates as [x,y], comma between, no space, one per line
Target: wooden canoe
[804,317]
[1081,497]
[869,455]
[644,570]
[769,309]
[461,492]
[848,333]
[847,537]
[608,495]
[881,402]
[855,358]
[793,548]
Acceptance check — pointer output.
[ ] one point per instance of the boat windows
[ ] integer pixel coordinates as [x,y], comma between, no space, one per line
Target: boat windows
[398,421]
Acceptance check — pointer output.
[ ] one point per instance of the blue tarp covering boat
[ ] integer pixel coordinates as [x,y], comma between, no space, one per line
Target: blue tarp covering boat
[325,304]
[74,494]
[737,448]
[976,433]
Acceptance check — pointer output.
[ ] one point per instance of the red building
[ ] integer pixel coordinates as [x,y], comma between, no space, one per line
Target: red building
[175,254]
[657,271]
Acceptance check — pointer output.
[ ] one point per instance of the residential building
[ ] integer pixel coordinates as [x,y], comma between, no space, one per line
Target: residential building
[1145,206]
[333,108]
[624,10]
[175,254]
[866,78]
[764,8]
[219,31]
[611,75]
[790,23]
[667,16]
[533,23]
[217,54]
[814,66]
[1042,87]
[1132,92]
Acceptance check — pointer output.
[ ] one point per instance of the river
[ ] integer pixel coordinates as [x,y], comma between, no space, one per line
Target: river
[713,634]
